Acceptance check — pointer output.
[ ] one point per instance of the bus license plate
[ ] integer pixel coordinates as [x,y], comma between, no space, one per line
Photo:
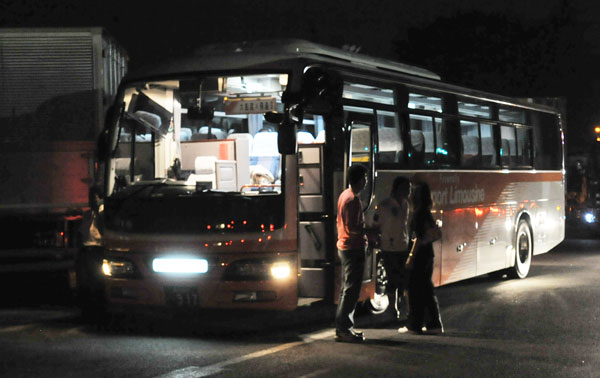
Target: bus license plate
[182,296]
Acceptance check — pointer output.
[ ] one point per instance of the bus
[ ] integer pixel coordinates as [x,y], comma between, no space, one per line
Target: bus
[223,169]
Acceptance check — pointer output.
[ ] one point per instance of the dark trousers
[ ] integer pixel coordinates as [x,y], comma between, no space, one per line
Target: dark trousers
[421,297]
[353,266]
[393,262]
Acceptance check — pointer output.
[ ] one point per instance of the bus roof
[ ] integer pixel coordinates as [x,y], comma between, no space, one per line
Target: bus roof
[218,57]
[264,53]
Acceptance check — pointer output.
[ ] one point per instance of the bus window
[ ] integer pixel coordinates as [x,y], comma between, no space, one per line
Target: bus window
[479,150]
[361,143]
[547,136]
[469,133]
[445,153]
[512,115]
[361,92]
[430,142]
[488,147]
[524,147]
[421,139]
[424,102]
[390,149]
[360,153]
[508,146]
[359,121]
[312,129]
[135,143]
[474,110]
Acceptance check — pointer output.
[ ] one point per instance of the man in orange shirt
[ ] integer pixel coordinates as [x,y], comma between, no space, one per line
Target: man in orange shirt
[351,245]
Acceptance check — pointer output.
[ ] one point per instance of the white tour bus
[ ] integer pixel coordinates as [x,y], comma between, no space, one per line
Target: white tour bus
[223,169]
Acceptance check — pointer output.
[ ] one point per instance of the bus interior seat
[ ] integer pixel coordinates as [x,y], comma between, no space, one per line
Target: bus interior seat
[226,123]
[417,141]
[470,150]
[185,134]
[265,144]
[204,171]
[390,145]
[506,151]
[320,137]
[488,152]
[143,137]
[152,121]
[232,127]
[429,147]
[215,133]
[388,156]
[305,137]
[428,137]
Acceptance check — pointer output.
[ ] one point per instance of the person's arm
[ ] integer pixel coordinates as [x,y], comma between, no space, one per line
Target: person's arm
[353,220]
[429,231]
[410,260]
[373,228]
[432,234]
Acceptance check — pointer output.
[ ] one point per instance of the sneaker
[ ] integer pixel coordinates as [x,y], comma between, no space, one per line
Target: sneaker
[409,331]
[349,336]
[433,331]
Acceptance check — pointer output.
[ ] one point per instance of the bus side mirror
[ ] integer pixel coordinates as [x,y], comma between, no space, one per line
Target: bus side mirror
[321,89]
[274,117]
[288,127]
[286,139]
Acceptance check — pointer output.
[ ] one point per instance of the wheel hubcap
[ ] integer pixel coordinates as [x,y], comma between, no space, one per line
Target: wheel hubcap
[523,247]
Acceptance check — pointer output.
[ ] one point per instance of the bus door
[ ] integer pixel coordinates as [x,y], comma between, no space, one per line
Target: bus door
[315,264]
[360,127]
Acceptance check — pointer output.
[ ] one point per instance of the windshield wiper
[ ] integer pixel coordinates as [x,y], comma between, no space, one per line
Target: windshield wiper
[215,193]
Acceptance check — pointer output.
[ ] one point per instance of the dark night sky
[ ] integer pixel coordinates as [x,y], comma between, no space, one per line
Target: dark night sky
[527,48]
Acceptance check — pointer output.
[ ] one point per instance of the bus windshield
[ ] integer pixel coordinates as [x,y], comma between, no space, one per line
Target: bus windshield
[201,133]
[194,154]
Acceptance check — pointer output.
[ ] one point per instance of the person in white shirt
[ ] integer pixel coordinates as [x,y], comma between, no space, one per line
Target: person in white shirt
[390,219]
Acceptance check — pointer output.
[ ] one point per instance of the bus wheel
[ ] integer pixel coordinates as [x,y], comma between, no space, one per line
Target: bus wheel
[523,251]
[380,301]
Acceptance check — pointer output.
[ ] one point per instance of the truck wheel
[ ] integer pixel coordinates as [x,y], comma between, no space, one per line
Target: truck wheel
[380,301]
[523,251]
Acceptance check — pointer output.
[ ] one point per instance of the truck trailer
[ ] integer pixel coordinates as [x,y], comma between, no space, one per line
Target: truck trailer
[55,87]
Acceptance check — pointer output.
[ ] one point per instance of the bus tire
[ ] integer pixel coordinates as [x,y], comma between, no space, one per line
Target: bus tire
[523,251]
[380,300]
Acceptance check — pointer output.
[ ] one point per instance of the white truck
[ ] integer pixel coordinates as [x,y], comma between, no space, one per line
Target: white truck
[55,87]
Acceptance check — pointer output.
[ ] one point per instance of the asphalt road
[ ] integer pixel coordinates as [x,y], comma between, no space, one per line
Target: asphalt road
[542,326]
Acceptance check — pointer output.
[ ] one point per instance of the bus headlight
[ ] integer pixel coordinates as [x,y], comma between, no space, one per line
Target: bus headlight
[281,270]
[118,268]
[180,265]
[589,217]
[258,270]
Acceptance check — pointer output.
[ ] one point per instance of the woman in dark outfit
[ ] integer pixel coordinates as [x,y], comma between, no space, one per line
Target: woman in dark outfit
[421,297]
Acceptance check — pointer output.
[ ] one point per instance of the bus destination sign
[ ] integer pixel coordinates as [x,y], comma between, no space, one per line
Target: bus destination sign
[250,106]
